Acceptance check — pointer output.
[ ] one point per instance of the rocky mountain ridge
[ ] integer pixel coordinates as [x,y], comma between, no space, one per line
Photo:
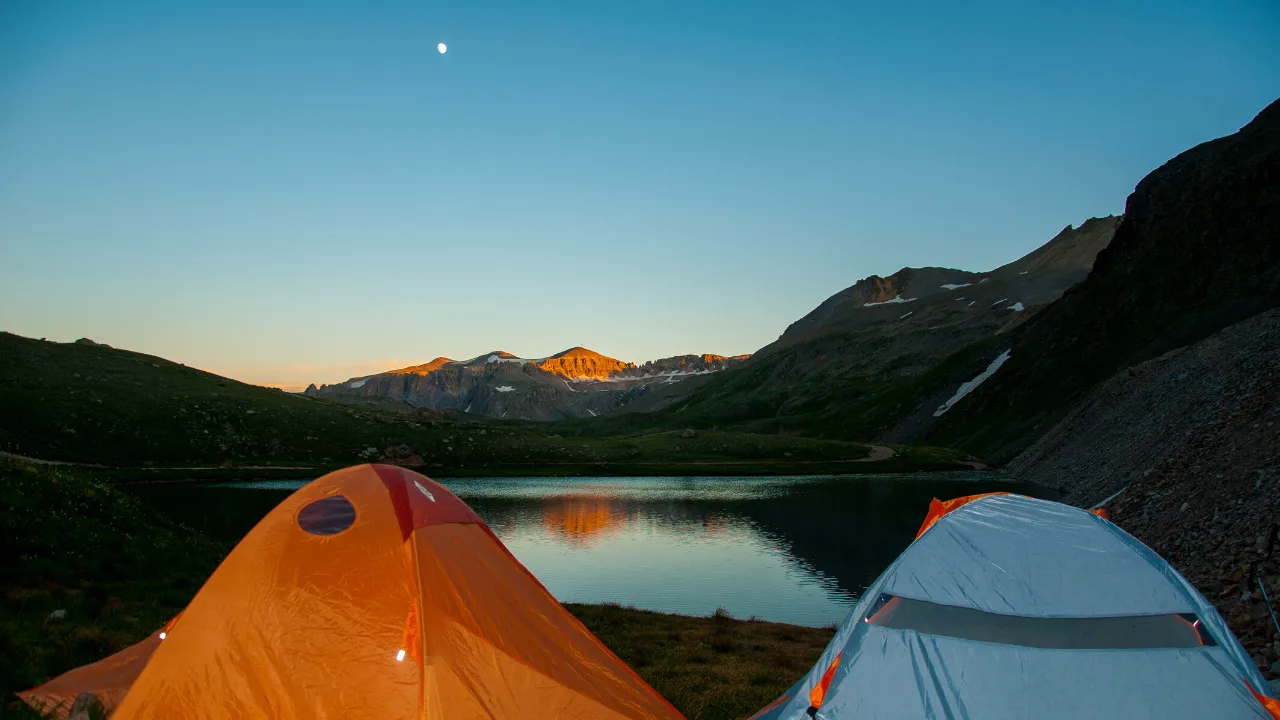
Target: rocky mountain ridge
[1034,280]
[858,363]
[574,383]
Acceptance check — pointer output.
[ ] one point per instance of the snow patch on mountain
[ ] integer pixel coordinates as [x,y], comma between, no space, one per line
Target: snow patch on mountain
[357,383]
[499,359]
[895,300]
[968,387]
[632,378]
[504,388]
[952,286]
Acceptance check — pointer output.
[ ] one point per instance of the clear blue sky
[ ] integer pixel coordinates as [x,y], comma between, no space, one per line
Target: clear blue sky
[298,191]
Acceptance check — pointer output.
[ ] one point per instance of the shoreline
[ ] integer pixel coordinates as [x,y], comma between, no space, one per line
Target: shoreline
[962,475]
[899,464]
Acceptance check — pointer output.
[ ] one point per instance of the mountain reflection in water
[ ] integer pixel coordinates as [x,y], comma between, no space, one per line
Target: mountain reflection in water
[788,549]
[792,549]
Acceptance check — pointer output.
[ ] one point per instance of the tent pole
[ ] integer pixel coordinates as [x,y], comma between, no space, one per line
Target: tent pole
[1263,588]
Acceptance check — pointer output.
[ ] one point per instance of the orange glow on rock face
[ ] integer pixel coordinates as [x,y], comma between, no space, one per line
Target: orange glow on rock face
[581,363]
[714,525]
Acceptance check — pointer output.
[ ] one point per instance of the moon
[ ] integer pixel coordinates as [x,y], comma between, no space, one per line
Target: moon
[442,48]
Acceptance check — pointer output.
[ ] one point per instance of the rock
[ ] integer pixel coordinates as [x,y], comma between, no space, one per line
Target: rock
[1184,507]
[401,455]
[59,614]
[85,341]
[87,707]
[688,433]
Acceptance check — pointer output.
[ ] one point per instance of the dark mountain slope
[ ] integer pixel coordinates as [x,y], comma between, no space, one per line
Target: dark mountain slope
[1197,251]
[866,358]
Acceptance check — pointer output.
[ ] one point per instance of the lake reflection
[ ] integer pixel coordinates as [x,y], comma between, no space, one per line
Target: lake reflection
[793,549]
[671,544]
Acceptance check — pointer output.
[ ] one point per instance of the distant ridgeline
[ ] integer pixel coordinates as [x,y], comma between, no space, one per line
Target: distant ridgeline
[572,384]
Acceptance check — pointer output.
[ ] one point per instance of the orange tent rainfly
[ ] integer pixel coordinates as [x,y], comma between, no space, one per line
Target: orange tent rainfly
[373,592]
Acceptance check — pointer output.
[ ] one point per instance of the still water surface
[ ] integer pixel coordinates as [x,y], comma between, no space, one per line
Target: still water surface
[787,549]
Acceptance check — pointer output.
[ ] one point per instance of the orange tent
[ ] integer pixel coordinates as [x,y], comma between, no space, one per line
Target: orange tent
[374,593]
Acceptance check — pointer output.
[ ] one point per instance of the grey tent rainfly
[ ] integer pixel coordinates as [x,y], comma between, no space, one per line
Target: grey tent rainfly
[1011,607]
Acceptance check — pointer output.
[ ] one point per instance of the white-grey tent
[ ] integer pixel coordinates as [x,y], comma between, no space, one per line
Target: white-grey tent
[1011,607]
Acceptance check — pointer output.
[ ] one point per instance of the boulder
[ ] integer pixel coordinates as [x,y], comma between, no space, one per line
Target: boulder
[87,707]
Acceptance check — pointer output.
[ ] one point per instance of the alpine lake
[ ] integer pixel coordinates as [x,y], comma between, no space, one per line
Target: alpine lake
[795,549]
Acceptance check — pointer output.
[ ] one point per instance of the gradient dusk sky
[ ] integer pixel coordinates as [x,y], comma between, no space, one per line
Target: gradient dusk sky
[288,192]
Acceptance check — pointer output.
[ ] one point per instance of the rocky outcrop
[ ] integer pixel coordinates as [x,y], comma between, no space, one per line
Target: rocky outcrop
[582,364]
[87,706]
[685,364]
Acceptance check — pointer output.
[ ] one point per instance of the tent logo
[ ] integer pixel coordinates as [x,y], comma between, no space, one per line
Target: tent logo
[425,491]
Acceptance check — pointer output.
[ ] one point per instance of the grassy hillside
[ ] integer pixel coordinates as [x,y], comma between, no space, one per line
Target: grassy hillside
[804,389]
[117,570]
[99,405]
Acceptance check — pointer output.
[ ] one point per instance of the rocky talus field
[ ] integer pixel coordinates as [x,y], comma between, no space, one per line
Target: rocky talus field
[1187,448]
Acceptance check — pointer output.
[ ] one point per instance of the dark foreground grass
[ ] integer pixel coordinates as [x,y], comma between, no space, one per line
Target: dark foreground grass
[88,570]
[714,668]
